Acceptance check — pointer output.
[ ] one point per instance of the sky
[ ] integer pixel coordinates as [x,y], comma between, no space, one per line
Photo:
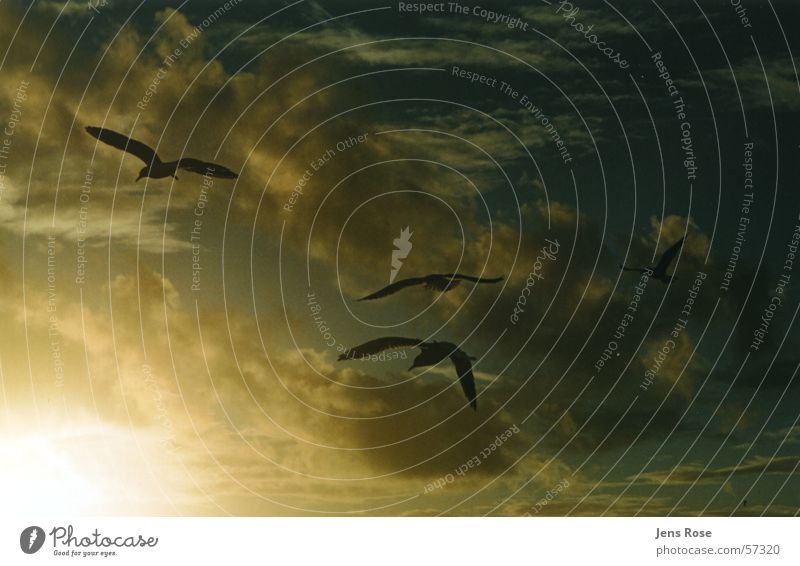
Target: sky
[170,345]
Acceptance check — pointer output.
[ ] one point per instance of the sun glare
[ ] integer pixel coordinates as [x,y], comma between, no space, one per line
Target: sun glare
[82,472]
[42,477]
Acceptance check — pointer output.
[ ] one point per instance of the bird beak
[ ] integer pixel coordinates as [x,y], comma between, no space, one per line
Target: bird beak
[137,178]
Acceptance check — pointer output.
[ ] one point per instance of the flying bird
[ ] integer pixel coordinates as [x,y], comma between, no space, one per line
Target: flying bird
[442,282]
[431,354]
[659,272]
[154,166]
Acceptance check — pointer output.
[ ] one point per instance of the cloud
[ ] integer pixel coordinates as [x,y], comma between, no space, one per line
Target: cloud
[691,473]
[229,399]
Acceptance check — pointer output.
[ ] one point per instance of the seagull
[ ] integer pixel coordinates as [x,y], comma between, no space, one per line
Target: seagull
[431,354]
[660,270]
[154,167]
[442,282]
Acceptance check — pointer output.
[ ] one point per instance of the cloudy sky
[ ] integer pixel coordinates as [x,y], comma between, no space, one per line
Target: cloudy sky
[170,345]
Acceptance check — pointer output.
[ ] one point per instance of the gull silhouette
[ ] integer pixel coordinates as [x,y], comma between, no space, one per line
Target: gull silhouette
[154,166]
[659,272]
[442,282]
[431,354]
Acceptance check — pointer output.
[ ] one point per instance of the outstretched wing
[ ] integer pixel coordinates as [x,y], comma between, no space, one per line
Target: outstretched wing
[638,269]
[465,377]
[379,345]
[668,256]
[123,142]
[204,167]
[394,288]
[474,279]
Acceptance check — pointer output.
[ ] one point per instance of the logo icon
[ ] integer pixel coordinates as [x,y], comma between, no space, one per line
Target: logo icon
[31,539]
[402,246]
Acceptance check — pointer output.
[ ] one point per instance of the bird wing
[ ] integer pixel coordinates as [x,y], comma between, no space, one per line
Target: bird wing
[379,345]
[465,377]
[639,269]
[394,288]
[203,167]
[123,142]
[474,279]
[668,255]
